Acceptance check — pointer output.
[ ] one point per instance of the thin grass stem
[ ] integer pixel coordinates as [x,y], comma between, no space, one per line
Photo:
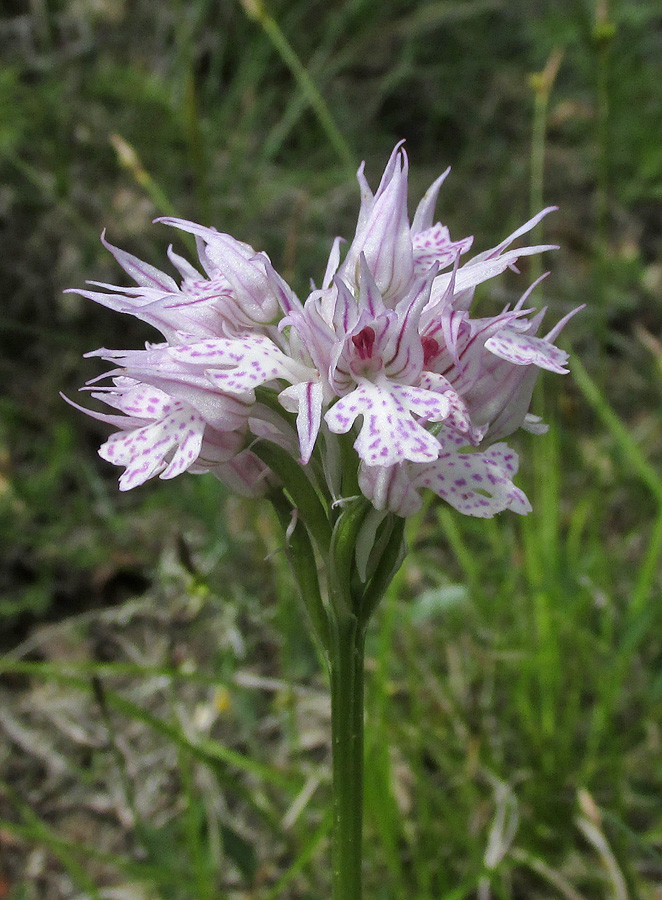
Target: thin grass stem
[256,10]
[542,83]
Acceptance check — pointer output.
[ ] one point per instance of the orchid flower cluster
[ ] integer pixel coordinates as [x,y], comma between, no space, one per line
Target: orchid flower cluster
[382,368]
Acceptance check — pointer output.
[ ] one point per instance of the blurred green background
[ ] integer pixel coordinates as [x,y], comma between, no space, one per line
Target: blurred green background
[163,724]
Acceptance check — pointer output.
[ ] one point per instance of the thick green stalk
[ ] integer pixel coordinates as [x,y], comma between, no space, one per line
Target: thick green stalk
[347,678]
[340,625]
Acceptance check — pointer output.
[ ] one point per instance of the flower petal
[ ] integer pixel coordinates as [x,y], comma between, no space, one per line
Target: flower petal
[390,488]
[389,434]
[306,399]
[141,272]
[525,350]
[168,446]
[476,484]
[383,234]
[434,245]
[424,215]
[238,366]
[245,474]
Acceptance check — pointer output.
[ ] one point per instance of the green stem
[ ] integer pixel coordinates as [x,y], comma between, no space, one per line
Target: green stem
[347,679]
[340,622]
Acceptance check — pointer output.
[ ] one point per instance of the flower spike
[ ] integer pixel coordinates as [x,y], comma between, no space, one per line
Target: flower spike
[385,352]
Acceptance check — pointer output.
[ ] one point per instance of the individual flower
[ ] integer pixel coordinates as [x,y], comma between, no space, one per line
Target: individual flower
[476,484]
[385,351]
[240,289]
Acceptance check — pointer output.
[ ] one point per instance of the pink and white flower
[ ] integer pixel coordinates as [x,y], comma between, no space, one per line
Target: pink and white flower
[385,350]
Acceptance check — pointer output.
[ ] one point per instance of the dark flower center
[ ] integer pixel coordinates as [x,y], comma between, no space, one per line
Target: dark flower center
[363,341]
[430,350]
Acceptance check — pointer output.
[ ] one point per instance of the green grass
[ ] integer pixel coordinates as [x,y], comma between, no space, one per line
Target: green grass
[514,693]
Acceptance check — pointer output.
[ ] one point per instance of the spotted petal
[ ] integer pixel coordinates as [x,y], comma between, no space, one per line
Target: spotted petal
[168,446]
[525,350]
[434,245]
[238,366]
[389,434]
[476,484]
[143,401]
